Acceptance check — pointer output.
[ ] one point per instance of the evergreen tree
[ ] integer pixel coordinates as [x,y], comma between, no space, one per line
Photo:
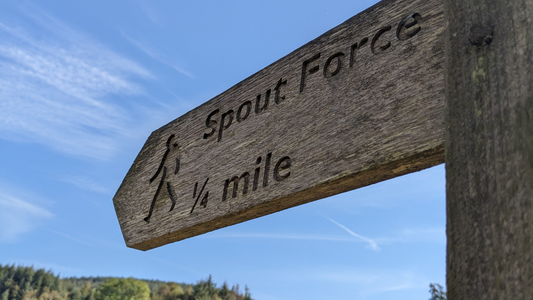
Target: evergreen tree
[224,291]
[437,292]
[247,295]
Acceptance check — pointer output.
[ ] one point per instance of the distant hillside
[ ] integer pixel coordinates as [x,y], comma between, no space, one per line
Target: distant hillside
[26,283]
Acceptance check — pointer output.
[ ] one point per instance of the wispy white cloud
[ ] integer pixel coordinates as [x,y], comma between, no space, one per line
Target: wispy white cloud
[370,282]
[427,235]
[430,235]
[84,183]
[158,56]
[364,283]
[60,88]
[152,13]
[371,243]
[69,237]
[19,216]
[281,236]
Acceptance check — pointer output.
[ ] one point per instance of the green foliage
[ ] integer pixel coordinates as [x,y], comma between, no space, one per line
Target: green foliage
[123,289]
[247,295]
[170,291]
[224,291]
[205,290]
[437,292]
[26,283]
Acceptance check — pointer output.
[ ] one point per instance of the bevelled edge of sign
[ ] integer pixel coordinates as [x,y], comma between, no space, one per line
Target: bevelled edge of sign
[362,103]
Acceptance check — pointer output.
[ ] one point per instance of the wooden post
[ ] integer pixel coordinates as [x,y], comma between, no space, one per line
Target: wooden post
[489,148]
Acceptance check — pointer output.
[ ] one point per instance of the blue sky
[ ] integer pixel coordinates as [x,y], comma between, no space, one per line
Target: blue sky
[82,85]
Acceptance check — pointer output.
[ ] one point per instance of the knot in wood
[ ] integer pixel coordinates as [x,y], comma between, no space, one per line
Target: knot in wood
[480,35]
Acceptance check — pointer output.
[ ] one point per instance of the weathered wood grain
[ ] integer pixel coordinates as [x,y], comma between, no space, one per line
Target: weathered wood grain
[372,111]
[489,149]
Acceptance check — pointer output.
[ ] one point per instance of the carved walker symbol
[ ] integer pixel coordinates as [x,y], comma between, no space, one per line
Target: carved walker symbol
[170,189]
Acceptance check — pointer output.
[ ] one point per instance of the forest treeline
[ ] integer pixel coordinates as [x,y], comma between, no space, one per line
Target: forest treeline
[27,283]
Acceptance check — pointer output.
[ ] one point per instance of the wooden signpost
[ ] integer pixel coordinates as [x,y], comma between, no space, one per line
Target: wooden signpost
[362,103]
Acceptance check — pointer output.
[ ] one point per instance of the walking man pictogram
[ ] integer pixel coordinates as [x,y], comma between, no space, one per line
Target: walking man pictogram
[171,147]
